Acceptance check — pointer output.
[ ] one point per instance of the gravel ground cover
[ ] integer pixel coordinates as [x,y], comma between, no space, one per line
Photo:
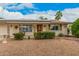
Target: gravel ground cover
[50,47]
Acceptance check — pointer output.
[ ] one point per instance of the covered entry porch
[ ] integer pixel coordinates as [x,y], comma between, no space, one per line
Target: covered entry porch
[28,29]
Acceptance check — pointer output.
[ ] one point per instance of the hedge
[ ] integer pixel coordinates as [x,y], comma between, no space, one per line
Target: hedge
[44,35]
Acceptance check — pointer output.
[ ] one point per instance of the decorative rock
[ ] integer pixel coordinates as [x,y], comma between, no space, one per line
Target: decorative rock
[5,41]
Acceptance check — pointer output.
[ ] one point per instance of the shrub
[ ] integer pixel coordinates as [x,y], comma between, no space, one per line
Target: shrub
[18,36]
[44,35]
[77,34]
[60,34]
[28,37]
[75,27]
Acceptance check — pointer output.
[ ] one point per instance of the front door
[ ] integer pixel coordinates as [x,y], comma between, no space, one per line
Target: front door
[39,27]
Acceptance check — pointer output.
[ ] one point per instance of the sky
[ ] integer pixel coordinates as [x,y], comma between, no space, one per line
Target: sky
[70,11]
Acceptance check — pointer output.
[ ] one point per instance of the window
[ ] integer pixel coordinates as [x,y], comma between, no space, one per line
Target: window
[26,28]
[54,28]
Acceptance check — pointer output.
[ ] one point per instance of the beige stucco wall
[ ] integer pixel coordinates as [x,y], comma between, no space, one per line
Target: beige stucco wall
[64,29]
[12,29]
[3,30]
[45,27]
[34,29]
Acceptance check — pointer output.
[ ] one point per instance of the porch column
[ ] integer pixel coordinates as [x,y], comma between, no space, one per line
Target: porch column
[34,28]
[45,27]
[64,29]
[8,31]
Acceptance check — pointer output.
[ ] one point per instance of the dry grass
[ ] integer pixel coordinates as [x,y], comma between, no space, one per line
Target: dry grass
[40,47]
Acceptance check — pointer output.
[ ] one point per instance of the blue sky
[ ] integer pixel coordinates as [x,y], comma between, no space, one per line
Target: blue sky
[70,11]
[43,7]
[56,6]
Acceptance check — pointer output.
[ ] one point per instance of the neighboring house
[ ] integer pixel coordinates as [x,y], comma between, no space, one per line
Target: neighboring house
[8,27]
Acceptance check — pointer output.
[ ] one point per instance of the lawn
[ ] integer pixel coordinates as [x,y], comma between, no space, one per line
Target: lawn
[53,47]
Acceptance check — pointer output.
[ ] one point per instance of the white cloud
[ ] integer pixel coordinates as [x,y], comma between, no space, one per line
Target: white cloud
[1,9]
[71,14]
[3,4]
[18,15]
[19,6]
[14,7]
[12,15]
[47,14]
[28,5]
[36,16]
[1,12]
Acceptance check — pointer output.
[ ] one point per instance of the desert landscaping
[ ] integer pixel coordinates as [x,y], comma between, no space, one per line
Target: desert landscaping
[51,47]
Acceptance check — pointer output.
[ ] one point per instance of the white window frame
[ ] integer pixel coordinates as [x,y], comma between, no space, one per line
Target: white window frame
[22,27]
[53,26]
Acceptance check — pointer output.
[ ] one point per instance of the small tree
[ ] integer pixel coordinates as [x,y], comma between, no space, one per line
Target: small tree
[58,15]
[41,17]
[45,18]
[1,18]
[75,28]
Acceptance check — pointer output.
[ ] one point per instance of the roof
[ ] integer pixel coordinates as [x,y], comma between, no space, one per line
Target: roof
[61,22]
[33,21]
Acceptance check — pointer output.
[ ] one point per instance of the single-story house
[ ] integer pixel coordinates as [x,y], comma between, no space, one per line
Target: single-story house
[8,27]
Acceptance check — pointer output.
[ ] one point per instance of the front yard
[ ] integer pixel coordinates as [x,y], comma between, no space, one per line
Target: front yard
[40,47]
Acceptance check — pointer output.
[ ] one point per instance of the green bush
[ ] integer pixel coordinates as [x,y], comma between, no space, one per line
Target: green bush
[18,36]
[77,34]
[44,35]
[60,34]
[75,28]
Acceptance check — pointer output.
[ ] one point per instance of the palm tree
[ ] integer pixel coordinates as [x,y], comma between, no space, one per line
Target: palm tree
[58,15]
